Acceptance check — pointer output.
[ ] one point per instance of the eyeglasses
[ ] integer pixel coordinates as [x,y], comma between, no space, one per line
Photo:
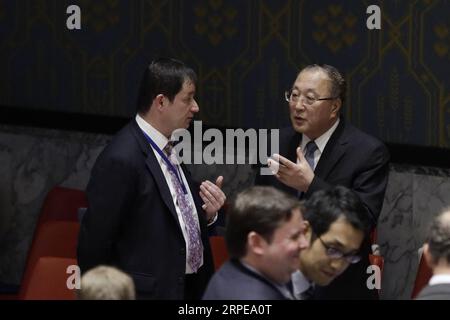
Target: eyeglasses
[334,253]
[293,97]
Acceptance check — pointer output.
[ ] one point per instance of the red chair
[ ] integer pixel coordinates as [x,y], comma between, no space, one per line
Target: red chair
[219,250]
[373,236]
[377,261]
[55,239]
[62,204]
[424,274]
[48,280]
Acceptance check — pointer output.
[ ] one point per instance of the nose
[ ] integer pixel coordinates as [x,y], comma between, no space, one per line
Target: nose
[195,108]
[339,264]
[299,104]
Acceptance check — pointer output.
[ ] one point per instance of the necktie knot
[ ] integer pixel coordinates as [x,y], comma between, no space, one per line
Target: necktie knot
[169,147]
[171,155]
[311,147]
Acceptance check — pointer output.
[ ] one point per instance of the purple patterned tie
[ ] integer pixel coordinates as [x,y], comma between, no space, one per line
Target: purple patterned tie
[195,245]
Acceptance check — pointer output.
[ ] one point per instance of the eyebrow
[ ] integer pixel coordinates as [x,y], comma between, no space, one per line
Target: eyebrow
[190,93]
[339,244]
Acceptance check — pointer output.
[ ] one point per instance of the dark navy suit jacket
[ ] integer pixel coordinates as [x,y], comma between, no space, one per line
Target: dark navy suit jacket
[131,221]
[358,161]
[233,281]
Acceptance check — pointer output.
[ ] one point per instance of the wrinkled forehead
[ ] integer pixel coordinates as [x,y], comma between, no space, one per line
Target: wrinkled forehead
[312,79]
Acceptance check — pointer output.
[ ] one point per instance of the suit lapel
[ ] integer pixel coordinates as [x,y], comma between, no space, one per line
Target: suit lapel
[155,169]
[334,150]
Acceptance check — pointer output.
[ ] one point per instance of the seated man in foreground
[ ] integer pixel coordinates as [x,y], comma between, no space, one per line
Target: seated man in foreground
[265,234]
[337,225]
[437,256]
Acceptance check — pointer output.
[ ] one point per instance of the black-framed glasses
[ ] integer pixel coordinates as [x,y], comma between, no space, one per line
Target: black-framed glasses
[293,97]
[334,253]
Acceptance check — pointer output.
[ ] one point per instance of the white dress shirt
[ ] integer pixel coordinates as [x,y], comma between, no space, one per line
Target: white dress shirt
[161,141]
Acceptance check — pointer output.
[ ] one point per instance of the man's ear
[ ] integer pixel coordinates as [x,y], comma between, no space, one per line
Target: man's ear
[336,107]
[308,231]
[159,101]
[256,243]
[427,255]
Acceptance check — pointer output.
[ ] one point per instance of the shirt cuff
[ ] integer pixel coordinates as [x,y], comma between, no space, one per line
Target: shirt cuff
[213,220]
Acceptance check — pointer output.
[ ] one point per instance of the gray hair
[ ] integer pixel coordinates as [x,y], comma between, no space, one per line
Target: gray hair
[106,283]
[439,237]
[338,85]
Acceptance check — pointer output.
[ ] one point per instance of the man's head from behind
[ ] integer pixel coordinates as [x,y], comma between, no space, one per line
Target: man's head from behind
[166,95]
[337,227]
[437,248]
[106,283]
[265,229]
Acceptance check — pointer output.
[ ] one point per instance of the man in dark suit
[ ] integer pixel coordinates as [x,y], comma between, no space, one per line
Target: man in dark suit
[264,235]
[321,150]
[336,226]
[145,214]
[437,256]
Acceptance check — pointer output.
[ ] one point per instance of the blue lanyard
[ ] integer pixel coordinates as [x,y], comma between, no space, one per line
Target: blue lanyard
[167,161]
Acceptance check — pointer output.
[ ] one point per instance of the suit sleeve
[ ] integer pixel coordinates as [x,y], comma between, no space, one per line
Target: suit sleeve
[110,195]
[369,182]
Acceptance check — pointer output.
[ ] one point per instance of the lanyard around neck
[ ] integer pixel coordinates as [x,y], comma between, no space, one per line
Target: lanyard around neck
[169,164]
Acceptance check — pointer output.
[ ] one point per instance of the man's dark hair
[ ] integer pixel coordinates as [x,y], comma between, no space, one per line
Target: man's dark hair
[338,86]
[439,237]
[163,76]
[258,209]
[326,206]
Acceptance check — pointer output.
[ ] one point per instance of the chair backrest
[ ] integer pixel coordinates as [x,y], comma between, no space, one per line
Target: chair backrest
[62,204]
[424,274]
[219,250]
[373,236]
[55,239]
[377,261]
[49,279]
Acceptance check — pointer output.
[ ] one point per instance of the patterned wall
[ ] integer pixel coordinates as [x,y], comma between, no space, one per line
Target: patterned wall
[246,52]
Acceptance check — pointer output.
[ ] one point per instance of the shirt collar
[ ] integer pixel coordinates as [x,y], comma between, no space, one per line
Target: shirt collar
[439,278]
[321,141]
[159,139]
[299,282]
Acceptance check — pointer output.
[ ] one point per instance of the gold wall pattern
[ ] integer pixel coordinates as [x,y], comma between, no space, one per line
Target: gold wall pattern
[246,54]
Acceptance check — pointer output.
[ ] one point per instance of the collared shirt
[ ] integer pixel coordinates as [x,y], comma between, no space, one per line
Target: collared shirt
[161,141]
[439,279]
[321,142]
[300,284]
